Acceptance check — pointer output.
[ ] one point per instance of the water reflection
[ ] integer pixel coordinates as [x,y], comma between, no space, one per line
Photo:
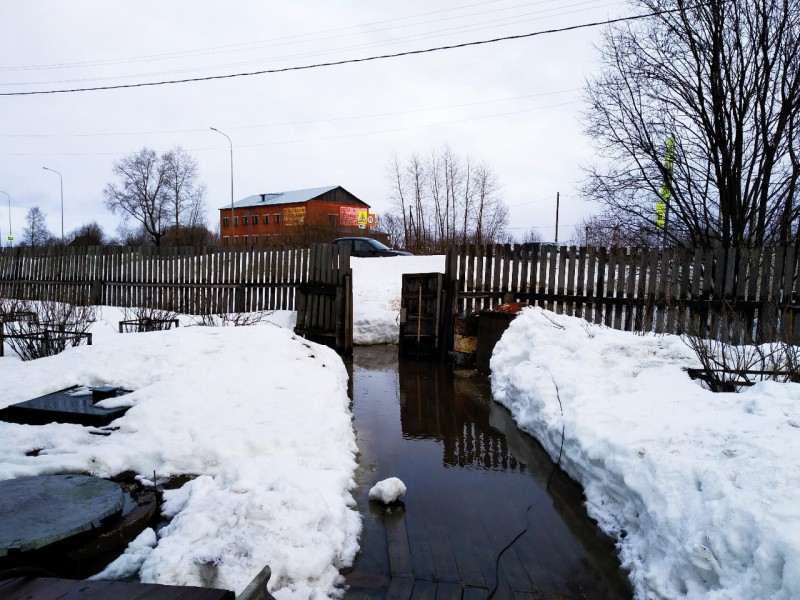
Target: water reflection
[471,475]
[436,405]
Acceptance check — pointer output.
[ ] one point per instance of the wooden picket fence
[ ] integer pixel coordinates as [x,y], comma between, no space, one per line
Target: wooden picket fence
[187,280]
[315,281]
[728,294]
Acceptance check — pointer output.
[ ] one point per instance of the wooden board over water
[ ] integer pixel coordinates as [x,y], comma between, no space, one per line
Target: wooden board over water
[474,484]
[46,588]
[39,511]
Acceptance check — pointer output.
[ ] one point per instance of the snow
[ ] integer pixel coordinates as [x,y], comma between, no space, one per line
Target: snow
[387,490]
[377,284]
[700,490]
[260,416]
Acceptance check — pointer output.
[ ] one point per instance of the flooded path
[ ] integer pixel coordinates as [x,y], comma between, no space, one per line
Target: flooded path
[474,483]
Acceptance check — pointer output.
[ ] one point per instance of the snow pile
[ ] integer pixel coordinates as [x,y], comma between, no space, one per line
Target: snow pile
[700,490]
[260,416]
[377,287]
[130,562]
[388,490]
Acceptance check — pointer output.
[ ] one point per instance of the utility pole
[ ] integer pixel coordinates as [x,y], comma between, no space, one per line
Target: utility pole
[10,241]
[61,184]
[558,201]
[233,225]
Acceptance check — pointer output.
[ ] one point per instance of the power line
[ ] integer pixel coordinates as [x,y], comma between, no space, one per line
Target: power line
[294,123]
[299,38]
[235,47]
[347,61]
[318,139]
[467,28]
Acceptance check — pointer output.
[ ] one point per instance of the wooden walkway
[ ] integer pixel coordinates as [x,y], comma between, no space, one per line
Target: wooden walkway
[46,588]
[470,477]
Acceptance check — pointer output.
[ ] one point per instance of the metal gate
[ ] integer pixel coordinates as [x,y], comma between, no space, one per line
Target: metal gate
[325,299]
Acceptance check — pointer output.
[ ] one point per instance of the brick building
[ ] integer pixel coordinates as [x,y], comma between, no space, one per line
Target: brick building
[295,217]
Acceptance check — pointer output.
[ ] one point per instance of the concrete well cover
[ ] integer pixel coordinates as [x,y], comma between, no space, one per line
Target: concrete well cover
[38,511]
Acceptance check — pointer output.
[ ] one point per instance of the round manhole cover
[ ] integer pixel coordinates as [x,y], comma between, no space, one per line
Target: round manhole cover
[38,511]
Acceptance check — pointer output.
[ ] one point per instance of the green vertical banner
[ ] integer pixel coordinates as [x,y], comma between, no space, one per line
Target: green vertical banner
[661,213]
[661,206]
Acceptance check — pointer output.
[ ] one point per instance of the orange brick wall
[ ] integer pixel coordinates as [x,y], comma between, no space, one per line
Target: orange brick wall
[317,213]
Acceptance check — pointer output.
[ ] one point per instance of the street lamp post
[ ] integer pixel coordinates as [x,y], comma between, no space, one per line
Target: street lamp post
[233,225]
[10,235]
[61,180]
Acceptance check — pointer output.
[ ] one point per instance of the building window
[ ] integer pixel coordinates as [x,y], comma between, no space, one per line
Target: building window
[226,240]
[276,218]
[266,219]
[265,240]
[225,221]
[244,238]
[255,240]
[244,220]
[236,240]
[333,220]
[254,220]
[276,239]
[235,221]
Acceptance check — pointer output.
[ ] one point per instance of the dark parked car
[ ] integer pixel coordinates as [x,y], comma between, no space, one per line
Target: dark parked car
[360,246]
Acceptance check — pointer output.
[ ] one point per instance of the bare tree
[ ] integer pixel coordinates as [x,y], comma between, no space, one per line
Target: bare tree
[392,224]
[697,108]
[601,231]
[394,172]
[185,194]
[445,200]
[35,232]
[142,193]
[491,213]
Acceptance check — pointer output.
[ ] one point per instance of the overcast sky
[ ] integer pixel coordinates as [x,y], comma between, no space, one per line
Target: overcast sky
[513,104]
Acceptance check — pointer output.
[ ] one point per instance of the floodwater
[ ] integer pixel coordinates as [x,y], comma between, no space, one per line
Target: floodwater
[475,483]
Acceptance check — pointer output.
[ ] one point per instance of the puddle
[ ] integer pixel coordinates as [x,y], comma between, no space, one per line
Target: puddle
[471,477]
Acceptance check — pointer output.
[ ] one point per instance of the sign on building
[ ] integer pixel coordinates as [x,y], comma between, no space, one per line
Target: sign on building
[294,216]
[348,216]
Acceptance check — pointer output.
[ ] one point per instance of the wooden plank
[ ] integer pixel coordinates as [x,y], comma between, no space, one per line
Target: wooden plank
[286,278]
[571,270]
[516,256]
[786,327]
[623,260]
[490,259]
[671,289]
[474,593]
[561,277]
[580,282]
[476,281]
[552,266]
[505,277]
[67,589]
[400,589]
[541,277]
[497,287]
[600,285]
[589,304]
[681,291]
[611,284]
[650,296]
[443,558]
[424,590]
[524,269]
[448,591]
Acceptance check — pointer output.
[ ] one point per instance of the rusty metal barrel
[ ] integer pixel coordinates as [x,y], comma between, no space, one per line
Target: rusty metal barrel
[465,341]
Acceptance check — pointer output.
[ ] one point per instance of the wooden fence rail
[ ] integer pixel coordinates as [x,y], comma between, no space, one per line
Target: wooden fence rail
[728,294]
[187,280]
